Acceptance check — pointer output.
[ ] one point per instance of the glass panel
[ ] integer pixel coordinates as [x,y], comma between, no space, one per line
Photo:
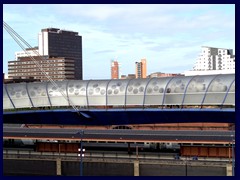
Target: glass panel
[230,100]
[175,90]
[218,89]
[196,90]
[6,101]
[56,97]
[38,94]
[116,92]
[155,91]
[135,91]
[97,92]
[18,94]
[77,92]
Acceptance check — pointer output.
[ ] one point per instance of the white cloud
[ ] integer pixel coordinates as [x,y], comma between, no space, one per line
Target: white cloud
[160,32]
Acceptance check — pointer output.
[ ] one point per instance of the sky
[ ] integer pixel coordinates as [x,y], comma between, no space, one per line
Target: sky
[169,36]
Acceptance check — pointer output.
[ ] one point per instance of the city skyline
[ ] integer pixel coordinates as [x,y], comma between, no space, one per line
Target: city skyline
[169,36]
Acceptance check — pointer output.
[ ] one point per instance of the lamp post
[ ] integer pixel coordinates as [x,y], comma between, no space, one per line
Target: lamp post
[233,156]
[186,167]
[81,152]
[137,152]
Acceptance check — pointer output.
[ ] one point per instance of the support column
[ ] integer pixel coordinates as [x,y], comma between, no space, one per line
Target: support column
[136,168]
[59,168]
[229,170]
[129,148]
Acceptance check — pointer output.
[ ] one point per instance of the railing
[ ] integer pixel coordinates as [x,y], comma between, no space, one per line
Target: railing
[143,156]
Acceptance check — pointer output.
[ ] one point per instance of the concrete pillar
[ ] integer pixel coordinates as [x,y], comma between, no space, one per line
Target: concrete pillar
[59,168]
[229,170]
[136,168]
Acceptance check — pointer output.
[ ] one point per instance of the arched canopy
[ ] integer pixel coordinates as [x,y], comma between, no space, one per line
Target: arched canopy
[180,90]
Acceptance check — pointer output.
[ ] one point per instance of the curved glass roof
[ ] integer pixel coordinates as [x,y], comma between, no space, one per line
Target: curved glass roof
[180,90]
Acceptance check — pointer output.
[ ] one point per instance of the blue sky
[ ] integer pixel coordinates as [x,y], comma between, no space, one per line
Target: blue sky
[169,36]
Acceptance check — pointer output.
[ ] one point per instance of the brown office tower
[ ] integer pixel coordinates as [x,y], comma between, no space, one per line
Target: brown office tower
[59,54]
[114,70]
[141,69]
[54,42]
[58,68]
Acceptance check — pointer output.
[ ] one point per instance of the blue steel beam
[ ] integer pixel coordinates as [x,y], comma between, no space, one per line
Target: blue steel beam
[119,116]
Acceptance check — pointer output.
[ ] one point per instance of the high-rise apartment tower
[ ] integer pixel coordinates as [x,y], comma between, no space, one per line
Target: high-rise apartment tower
[215,59]
[141,69]
[114,70]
